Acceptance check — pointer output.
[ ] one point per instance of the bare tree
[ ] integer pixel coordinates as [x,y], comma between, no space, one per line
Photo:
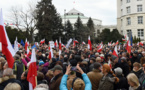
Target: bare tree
[25,19]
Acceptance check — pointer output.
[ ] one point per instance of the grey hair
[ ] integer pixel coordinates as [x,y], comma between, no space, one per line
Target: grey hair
[8,72]
[42,87]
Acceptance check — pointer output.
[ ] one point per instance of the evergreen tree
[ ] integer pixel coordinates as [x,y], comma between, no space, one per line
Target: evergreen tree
[80,31]
[134,39]
[90,25]
[115,35]
[48,21]
[69,30]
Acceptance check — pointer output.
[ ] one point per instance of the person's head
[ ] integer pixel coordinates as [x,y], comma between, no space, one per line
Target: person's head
[92,60]
[24,75]
[41,63]
[135,53]
[98,59]
[83,57]
[39,53]
[42,87]
[17,57]
[124,54]
[57,70]
[133,80]
[143,53]
[2,63]
[61,56]
[136,66]
[2,59]
[12,86]
[115,59]
[96,54]
[5,66]
[78,84]
[40,76]
[97,66]
[118,71]
[8,72]
[59,63]
[123,59]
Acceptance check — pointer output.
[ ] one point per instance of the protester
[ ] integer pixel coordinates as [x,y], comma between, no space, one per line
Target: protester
[77,82]
[133,82]
[95,76]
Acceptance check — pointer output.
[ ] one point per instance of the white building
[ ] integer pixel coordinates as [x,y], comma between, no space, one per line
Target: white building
[73,15]
[131,17]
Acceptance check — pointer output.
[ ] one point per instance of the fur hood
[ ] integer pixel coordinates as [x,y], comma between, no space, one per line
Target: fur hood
[5,78]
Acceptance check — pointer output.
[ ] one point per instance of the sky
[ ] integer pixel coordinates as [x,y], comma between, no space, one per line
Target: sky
[105,10]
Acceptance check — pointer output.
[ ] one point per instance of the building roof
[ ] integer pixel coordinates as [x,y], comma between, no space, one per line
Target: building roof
[74,12]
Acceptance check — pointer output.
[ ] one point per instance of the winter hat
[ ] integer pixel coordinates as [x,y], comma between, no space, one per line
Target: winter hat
[101,55]
[41,63]
[118,71]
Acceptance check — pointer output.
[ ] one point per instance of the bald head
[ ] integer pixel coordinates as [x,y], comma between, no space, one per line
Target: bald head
[8,72]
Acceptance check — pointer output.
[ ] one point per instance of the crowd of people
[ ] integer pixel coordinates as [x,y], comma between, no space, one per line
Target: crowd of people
[77,68]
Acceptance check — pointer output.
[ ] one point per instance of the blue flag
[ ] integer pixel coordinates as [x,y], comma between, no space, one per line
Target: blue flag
[131,39]
[34,46]
[22,43]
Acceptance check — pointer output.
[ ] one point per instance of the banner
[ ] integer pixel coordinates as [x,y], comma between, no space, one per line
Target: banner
[51,43]
[69,42]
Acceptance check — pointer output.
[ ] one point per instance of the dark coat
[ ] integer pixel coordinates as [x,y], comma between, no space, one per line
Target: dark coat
[25,84]
[125,68]
[135,59]
[138,73]
[122,84]
[107,82]
[12,80]
[55,82]
[95,76]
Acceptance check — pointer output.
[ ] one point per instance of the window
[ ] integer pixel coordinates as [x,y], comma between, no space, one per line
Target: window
[139,0]
[139,8]
[140,19]
[121,11]
[128,21]
[141,34]
[128,31]
[128,9]
[127,1]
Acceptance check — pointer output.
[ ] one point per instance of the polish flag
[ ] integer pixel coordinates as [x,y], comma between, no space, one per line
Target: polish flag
[19,45]
[128,47]
[59,46]
[109,44]
[7,48]
[113,44]
[83,43]
[123,40]
[32,72]
[42,41]
[109,63]
[141,43]
[50,54]
[100,49]
[74,42]
[26,44]
[100,45]
[63,45]
[119,47]
[89,43]
[117,42]
[36,43]
[115,52]
[56,44]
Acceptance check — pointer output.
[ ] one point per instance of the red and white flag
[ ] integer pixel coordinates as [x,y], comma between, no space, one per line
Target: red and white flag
[100,49]
[83,43]
[7,48]
[74,42]
[26,48]
[109,44]
[50,54]
[42,41]
[128,47]
[117,42]
[56,44]
[123,40]
[119,47]
[19,45]
[109,63]
[115,52]
[16,48]
[32,72]
[60,46]
[141,43]
[63,45]
[100,45]
[26,44]
[89,43]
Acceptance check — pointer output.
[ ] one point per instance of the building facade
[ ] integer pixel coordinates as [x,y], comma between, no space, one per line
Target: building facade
[131,17]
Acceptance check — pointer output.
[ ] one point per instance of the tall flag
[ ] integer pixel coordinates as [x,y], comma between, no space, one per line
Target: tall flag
[100,48]
[26,44]
[117,43]
[50,54]
[68,43]
[115,52]
[56,44]
[109,43]
[32,72]
[59,46]
[140,43]
[74,42]
[7,48]
[100,45]
[22,43]
[34,46]
[42,41]
[128,47]
[131,40]
[89,43]
[109,63]
[26,48]
[16,48]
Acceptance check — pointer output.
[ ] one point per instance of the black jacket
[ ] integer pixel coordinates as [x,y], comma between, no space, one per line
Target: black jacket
[4,84]
[125,68]
[138,73]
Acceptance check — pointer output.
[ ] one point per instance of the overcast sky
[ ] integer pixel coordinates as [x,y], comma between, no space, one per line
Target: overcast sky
[104,10]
